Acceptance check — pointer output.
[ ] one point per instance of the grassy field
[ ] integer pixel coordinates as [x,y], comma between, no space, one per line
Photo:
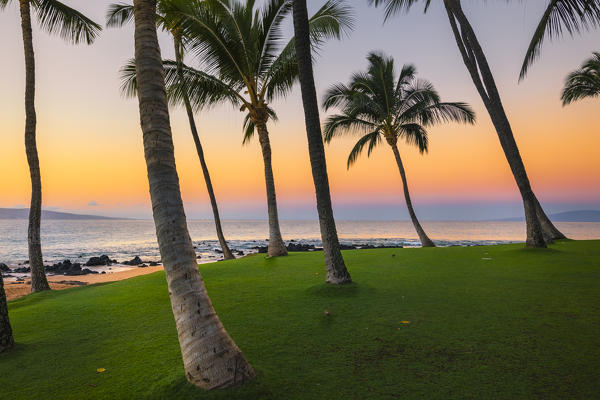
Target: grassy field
[444,323]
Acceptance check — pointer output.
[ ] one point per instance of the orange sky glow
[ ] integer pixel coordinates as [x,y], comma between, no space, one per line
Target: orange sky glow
[91,151]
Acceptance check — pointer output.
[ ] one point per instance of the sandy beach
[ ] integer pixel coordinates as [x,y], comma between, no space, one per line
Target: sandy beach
[15,290]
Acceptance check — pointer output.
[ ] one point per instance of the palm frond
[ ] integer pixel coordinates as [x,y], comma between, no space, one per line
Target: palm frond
[4,3]
[572,16]
[68,23]
[393,7]
[584,82]
[203,89]
[415,134]
[340,124]
[331,21]
[371,140]
[118,15]
[128,79]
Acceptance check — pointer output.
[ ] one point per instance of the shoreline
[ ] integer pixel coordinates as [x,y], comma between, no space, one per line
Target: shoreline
[15,290]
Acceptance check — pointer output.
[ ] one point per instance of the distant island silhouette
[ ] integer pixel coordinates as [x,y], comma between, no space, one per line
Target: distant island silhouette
[23,213]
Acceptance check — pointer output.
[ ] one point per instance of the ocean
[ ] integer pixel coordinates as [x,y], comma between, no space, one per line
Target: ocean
[78,240]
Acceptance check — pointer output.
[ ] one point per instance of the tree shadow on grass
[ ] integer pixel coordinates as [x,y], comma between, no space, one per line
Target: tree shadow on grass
[180,388]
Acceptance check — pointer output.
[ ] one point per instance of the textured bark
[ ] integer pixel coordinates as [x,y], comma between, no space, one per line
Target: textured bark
[211,359]
[209,187]
[276,245]
[337,272]
[425,241]
[549,231]
[482,77]
[38,275]
[6,338]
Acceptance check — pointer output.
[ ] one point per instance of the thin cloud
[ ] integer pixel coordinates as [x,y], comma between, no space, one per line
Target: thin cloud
[94,203]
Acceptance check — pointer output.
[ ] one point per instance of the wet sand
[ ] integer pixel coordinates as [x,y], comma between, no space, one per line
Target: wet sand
[59,282]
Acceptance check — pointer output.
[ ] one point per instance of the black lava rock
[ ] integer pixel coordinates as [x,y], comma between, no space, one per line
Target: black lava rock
[4,268]
[96,261]
[135,261]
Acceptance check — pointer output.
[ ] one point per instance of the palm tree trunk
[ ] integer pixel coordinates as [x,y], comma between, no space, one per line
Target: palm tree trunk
[36,263]
[549,231]
[211,359]
[425,241]
[480,72]
[227,255]
[276,245]
[337,272]
[6,337]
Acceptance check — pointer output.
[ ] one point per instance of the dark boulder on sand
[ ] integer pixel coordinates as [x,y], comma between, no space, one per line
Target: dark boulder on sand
[97,261]
[4,268]
[261,249]
[135,261]
[68,268]
[300,247]
[22,270]
[153,264]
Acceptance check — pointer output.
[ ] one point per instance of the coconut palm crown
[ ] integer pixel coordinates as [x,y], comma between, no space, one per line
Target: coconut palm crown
[377,106]
[246,61]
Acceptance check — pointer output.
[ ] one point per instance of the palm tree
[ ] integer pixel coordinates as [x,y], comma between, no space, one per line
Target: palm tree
[584,82]
[121,13]
[573,16]
[334,262]
[246,63]
[71,25]
[211,359]
[539,227]
[377,106]
[6,337]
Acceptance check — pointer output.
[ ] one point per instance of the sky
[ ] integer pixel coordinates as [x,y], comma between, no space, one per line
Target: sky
[90,142]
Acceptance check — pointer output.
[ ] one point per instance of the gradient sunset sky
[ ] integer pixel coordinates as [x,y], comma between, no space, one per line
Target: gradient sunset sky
[90,142]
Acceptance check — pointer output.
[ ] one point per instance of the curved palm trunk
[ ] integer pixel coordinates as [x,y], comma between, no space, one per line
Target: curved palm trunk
[549,231]
[6,337]
[538,224]
[227,255]
[276,245]
[425,241]
[210,357]
[334,262]
[36,263]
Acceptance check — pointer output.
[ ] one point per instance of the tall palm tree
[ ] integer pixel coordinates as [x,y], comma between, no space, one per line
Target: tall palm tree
[584,82]
[210,357]
[56,18]
[334,262]
[120,13]
[245,62]
[376,106]
[573,16]
[539,227]
[6,338]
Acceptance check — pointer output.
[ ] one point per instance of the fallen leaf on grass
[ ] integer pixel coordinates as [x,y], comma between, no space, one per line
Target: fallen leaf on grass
[405,322]
[99,370]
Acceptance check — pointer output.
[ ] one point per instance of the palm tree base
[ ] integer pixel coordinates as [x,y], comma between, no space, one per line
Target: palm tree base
[334,278]
[277,248]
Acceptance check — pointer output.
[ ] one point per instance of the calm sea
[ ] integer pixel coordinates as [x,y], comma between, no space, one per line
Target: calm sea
[124,239]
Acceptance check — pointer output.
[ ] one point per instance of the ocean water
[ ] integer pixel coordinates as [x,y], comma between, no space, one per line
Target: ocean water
[124,239]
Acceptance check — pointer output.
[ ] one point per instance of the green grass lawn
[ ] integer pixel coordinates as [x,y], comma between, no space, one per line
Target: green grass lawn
[485,322]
